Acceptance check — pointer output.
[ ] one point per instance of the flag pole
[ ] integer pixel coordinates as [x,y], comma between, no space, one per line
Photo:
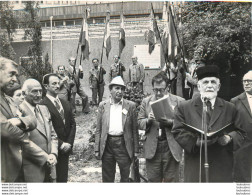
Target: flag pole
[178,39]
[166,63]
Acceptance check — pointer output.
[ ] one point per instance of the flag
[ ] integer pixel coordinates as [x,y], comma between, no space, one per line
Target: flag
[172,38]
[121,34]
[165,36]
[153,31]
[84,39]
[107,38]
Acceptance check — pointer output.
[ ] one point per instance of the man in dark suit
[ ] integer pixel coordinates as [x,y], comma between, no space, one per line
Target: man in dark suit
[219,113]
[14,140]
[116,136]
[96,81]
[44,135]
[161,151]
[243,156]
[63,123]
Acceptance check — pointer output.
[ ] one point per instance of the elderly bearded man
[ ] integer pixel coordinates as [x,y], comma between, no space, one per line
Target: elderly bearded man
[116,136]
[219,114]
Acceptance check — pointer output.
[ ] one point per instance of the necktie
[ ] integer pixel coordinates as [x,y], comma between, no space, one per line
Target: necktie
[61,111]
[209,111]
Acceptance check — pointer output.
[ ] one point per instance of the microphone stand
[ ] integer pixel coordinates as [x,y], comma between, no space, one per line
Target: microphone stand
[204,121]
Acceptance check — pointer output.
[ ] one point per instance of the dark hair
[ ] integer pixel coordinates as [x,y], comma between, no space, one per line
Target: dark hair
[46,78]
[95,59]
[61,66]
[159,78]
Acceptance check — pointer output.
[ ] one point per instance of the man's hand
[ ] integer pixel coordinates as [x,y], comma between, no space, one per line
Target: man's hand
[15,121]
[151,118]
[80,68]
[224,140]
[97,155]
[165,122]
[209,141]
[65,147]
[52,160]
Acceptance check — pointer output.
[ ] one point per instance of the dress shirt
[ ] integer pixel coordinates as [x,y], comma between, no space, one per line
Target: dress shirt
[53,99]
[249,101]
[115,120]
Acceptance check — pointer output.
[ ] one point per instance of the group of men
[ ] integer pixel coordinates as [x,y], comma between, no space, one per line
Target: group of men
[228,151]
[37,135]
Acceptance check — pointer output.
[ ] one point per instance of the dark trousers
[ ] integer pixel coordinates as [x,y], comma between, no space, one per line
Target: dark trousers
[62,167]
[115,152]
[162,167]
[84,98]
[97,91]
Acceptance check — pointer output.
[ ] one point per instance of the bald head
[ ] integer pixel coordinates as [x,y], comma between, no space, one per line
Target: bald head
[247,82]
[30,83]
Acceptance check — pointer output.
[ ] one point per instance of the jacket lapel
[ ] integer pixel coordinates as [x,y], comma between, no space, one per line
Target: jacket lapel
[198,105]
[107,115]
[217,111]
[245,102]
[46,128]
[6,107]
[125,110]
[53,109]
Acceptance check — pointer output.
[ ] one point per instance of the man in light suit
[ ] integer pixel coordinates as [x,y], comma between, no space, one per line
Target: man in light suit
[44,135]
[116,136]
[243,157]
[14,140]
[219,114]
[161,151]
[63,123]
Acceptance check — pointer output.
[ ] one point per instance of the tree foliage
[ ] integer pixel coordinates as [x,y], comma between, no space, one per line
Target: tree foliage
[8,27]
[34,67]
[219,31]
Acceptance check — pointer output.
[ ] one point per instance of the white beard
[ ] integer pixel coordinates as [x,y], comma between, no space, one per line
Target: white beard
[209,95]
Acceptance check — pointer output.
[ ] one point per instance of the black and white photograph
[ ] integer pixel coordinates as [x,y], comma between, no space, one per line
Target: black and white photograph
[126,92]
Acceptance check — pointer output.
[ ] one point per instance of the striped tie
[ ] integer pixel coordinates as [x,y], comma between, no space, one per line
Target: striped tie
[60,110]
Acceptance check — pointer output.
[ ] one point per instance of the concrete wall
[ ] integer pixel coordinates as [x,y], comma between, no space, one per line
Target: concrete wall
[63,49]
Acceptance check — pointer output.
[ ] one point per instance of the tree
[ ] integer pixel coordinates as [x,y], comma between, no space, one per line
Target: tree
[34,66]
[221,31]
[8,26]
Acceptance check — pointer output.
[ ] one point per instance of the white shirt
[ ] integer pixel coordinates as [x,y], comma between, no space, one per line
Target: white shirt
[53,99]
[115,119]
[250,101]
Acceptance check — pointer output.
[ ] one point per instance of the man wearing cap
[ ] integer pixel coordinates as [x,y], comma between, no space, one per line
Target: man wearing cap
[243,156]
[96,81]
[117,68]
[219,113]
[116,136]
[136,73]
[75,75]
[161,151]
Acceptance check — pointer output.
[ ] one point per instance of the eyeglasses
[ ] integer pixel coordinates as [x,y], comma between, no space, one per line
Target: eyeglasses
[247,81]
[161,90]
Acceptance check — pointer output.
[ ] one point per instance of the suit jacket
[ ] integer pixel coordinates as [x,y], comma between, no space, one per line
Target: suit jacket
[129,122]
[220,158]
[150,143]
[45,137]
[14,142]
[65,131]
[243,156]
[96,77]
